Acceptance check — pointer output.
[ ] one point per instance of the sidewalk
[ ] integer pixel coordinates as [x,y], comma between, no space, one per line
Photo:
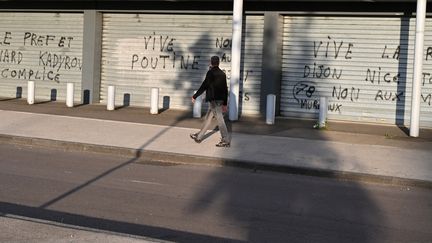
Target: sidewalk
[346,150]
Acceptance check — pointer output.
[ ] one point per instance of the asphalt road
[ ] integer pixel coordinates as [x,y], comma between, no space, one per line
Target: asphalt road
[56,196]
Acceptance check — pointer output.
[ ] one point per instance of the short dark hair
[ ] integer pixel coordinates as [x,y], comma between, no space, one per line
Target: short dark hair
[214,61]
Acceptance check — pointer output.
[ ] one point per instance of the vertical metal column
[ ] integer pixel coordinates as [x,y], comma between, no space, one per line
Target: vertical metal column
[235,60]
[418,67]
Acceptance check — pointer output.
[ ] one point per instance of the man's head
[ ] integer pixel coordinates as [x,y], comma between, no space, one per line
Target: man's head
[214,61]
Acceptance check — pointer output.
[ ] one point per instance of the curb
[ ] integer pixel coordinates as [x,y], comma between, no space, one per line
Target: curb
[169,159]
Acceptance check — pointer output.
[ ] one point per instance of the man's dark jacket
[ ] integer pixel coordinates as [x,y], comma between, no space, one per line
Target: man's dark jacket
[215,86]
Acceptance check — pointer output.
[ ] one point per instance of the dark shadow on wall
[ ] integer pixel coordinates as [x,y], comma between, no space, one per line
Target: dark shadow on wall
[126,101]
[401,92]
[86,97]
[18,95]
[53,96]
[242,67]
[198,50]
[191,74]
[165,103]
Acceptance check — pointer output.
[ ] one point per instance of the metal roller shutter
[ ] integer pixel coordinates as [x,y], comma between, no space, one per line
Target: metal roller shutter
[251,64]
[172,52]
[426,88]
[362,64]
[41,47]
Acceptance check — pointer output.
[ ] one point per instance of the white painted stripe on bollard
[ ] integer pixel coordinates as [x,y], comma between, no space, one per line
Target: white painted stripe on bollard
[154,101]
[70,95]
[30,92]
[111,98]
[271,109]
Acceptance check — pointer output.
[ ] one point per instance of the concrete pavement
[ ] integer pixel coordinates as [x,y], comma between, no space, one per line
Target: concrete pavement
[346,150]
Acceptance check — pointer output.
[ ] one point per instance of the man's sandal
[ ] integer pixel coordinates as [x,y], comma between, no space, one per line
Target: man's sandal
[223,144]
[194,136]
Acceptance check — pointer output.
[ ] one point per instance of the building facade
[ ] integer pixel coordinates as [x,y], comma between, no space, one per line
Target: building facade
[357,54]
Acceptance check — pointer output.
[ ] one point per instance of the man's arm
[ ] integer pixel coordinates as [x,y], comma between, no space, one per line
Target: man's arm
[202,88]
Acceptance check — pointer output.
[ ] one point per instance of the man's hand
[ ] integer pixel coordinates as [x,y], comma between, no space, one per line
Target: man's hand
[224,108]
[193,100]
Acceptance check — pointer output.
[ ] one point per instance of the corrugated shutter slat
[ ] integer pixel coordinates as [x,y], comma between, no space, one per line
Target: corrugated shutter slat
[352,61]
[135,39]
[50,65]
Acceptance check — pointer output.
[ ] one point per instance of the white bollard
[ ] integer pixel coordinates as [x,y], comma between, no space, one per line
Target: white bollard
[322,112]
[154,101]
[271,109]
[111,98]
[70,95]
[30,92]
[197,106]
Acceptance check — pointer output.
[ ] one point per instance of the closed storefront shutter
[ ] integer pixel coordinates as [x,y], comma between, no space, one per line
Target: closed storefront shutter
[251,64]
[363,65]
[172,52]
[42,47]
[426,84]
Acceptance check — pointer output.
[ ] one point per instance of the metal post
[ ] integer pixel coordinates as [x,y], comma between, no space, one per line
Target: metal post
[30,92]
[235,60]
[111,98]
[70,95]
[418,68]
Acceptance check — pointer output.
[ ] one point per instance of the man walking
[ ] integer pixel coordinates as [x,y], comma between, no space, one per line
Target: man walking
[215,86]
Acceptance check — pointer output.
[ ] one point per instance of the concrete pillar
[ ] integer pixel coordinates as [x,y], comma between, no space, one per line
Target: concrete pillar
[272,55]
[92,54]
